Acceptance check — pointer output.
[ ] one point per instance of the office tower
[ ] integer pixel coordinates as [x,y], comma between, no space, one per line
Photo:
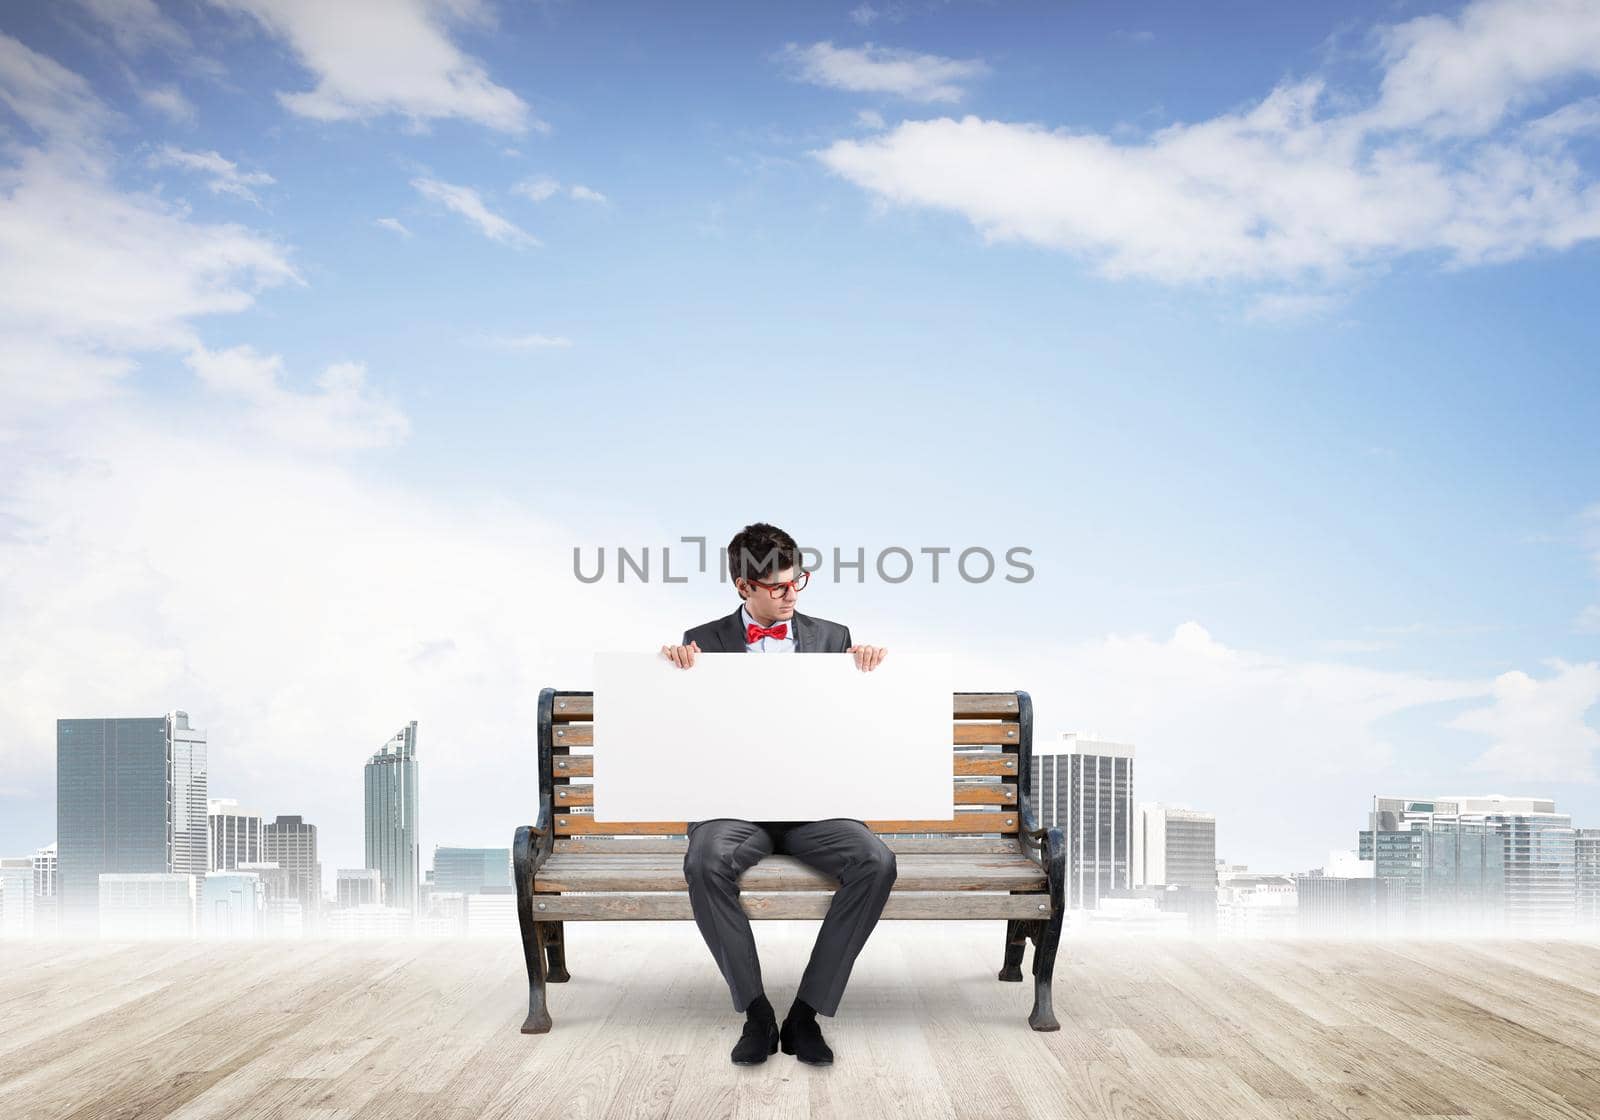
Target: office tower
[393,847]
[44,892]
[235,835]
[291,843]
[1586,857]
[232,904]
[360,886]
[1481,861]
[190,789]
[16,897]
[130,799]
[471,870]
[1174,847]
[1085,787]
[145,905]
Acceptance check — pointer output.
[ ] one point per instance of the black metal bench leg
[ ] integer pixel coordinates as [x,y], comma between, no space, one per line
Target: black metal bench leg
[1048,934]
[555,940]
[1016,945]
[1043,1016]
[533,935]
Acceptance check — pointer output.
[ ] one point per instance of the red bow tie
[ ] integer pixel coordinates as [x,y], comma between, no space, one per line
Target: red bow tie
[753,633]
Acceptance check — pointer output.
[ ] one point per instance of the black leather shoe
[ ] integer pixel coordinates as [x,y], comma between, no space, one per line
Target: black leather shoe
[758,1040]
[801,1037]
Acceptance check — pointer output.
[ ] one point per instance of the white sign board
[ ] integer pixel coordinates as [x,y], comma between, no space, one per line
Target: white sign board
[772,737]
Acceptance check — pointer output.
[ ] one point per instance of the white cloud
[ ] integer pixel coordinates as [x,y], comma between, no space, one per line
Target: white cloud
[1285,751]
[1289,307]
[1296,187]
[54,102]
[301,611]
[1588,620]
[393,225]
[537,189]
[870,119]
[466,202]
[1538,728]
[585,194]
[524,341]
[342,414]
[864,16]
[222,175]
[870,69]
[375,57]
[170,102]
[138,26]
[93,279]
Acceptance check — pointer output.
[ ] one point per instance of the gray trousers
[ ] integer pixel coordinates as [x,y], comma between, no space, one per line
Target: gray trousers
[722,850]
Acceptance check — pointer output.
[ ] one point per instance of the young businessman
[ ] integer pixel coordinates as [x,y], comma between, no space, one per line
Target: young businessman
[765,564]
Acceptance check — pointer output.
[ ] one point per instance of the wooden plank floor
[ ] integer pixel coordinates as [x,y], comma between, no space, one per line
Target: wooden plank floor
[1203,1030]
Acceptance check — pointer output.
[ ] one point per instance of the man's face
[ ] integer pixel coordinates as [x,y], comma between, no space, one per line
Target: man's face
[761,604]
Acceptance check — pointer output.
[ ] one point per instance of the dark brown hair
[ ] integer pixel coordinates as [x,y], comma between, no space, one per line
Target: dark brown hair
[761,551]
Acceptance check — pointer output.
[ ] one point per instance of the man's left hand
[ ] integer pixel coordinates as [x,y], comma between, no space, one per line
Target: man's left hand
[868,657]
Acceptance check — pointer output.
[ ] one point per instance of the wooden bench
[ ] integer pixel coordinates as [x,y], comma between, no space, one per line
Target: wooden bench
[989,861]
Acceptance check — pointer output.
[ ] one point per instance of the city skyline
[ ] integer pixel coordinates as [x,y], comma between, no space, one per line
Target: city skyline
[310,387]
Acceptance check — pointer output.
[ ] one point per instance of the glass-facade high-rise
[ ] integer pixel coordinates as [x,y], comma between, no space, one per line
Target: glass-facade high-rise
[392,818]
[1586,857]
[1085,788]
[190,797]
[130,799]
[471,870]
[1476,862]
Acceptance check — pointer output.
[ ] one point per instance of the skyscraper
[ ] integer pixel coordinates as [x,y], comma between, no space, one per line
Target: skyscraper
[471,870]
[1174,847]
[190,796]
[130,798]
[357,886]
[291,843]
[235,835]
[1472,860]
[1085,787]
[393,849]
[16,897]
[1586,847]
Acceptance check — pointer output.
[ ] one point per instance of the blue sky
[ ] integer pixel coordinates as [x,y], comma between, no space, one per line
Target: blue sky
[1269,330]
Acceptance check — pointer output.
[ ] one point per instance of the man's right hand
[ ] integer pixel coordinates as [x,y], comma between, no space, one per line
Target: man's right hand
[681,656]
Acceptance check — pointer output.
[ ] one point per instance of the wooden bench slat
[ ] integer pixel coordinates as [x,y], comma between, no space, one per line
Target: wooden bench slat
[973,705]
[662,845]
[964,764]
[961,734]
[583,824]
[659,872]
[965,793]
[926,905]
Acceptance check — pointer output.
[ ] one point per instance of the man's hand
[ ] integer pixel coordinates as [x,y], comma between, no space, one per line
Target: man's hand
[868,657]
[681,656]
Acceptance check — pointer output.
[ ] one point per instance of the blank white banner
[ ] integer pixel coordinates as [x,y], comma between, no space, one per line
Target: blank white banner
[768,737]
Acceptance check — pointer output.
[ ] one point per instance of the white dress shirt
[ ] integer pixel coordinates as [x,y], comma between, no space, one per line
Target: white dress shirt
[767,645]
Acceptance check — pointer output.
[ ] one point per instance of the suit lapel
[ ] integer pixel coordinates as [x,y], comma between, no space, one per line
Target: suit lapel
[730,632]
[805,634]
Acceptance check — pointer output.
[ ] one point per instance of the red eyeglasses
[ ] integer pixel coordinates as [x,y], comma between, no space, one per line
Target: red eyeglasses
[776,590]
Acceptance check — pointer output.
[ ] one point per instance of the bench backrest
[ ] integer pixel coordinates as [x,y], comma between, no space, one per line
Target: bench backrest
[991,768]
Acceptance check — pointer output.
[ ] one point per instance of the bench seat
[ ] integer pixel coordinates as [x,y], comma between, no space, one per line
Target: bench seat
[574,871]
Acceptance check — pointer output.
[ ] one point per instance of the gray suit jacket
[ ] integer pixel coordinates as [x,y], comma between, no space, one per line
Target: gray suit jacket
[811,635]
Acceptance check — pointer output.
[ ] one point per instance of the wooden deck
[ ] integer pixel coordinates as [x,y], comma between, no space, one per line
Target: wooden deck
[1149,1029]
